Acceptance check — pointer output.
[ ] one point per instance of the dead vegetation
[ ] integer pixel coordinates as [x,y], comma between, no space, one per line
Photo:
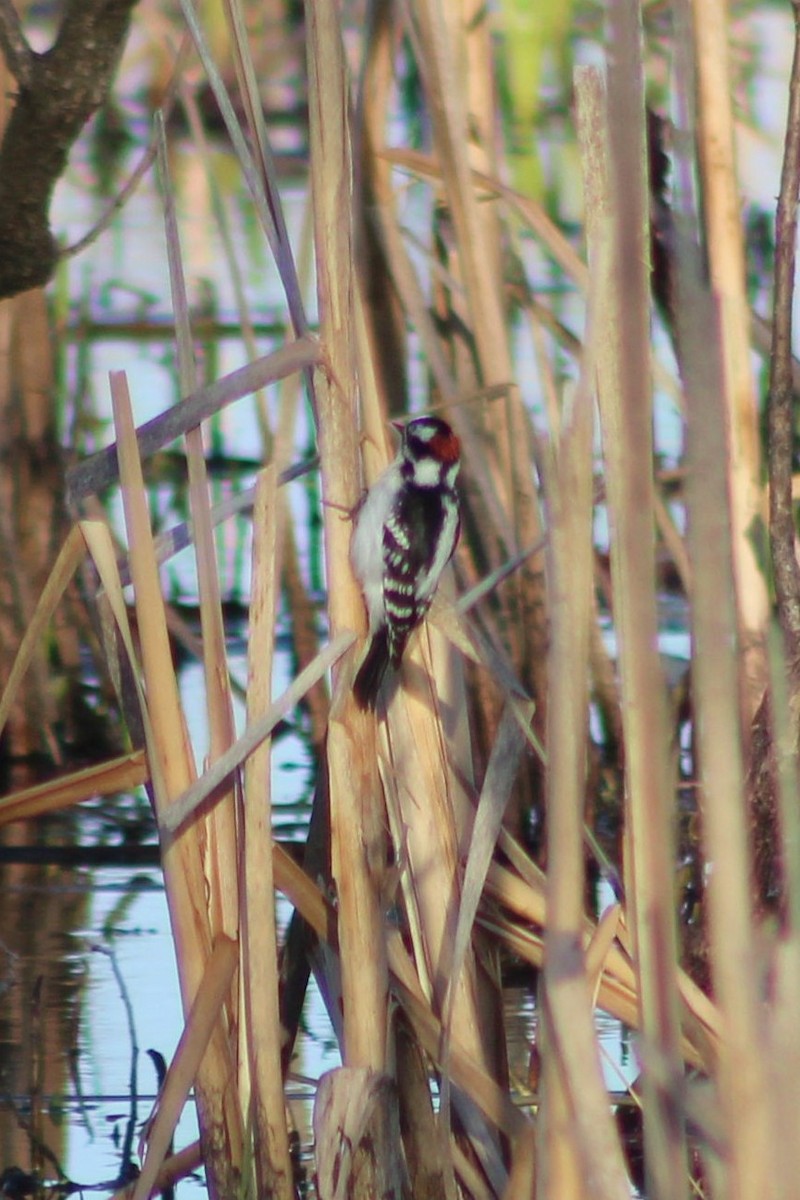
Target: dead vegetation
[425,808]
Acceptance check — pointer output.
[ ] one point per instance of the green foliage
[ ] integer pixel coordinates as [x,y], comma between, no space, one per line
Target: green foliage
[536,42]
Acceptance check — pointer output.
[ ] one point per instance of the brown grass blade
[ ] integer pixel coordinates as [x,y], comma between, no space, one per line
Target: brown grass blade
[479,1084]
[226,236]
[70,555]
[304,894]
[500,775]
[447,104]
[104,556]
[180,536]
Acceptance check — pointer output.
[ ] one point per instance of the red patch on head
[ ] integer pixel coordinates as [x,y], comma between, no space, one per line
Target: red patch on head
[446,446]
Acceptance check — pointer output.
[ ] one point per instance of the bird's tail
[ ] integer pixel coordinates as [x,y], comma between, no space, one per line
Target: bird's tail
[372,670]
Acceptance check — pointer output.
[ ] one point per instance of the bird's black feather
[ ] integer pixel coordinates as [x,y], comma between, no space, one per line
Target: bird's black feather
[420,513]
[372,670]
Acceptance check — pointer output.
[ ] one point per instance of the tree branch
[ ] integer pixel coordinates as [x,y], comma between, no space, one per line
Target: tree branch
[14,45]
[58,92]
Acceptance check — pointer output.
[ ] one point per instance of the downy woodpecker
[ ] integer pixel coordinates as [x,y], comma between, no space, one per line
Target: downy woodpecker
[406,529]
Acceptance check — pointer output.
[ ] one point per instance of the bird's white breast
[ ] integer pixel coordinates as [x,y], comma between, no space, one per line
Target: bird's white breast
[366,546]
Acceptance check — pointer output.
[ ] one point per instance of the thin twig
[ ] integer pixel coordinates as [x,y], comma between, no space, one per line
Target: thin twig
[144,164]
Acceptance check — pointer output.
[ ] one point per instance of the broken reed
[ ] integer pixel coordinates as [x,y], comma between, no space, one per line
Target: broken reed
[429,765]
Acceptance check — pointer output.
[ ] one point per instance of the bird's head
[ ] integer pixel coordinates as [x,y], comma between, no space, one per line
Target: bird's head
[429,452]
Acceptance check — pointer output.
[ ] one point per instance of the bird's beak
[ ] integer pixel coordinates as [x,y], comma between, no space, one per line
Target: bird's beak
[398,425]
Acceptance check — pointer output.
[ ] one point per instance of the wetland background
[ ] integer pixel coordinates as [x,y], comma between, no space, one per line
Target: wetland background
[483,168]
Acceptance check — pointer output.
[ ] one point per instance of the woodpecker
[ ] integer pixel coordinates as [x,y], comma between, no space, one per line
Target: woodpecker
[406,529]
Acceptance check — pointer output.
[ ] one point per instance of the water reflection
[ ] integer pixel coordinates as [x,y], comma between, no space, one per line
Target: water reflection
[88,982]
[88,986]
[41,987]
[42,982]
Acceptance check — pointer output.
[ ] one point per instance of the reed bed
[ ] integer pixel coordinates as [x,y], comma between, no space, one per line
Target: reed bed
[421,811]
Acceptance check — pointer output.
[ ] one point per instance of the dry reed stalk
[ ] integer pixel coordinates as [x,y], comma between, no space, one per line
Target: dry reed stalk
[220,849]
[525,208]
[424,769]
[725,247]
[265,163]
[522,1178]
[426,779]
[438,52]
[32,525]
[782,384]
[358,841]
[421,806]
[260,970]
[278,443]
[533,217]
[778,807]
[172,771]
[782,1047]
[304,631]
[172,1170]
[111,778]
[490,810]
[355,1134]
[617,991]
[469,946]
[783,1043]
[412,295]
[466,1072]
[304,895]
[477,263]
[204,1016]
[384,329]
[298,601]
[498,529]
[557,1161]
[489,480]
[579,1141]
[743,1090]
[613,146]
[482,1088]
[101,470]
